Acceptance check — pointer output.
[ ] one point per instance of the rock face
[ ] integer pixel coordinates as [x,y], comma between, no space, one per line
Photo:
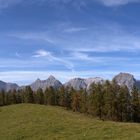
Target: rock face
[126,79]
[8,86]
[50,82]
[79,83]
[96,80]
[76,84]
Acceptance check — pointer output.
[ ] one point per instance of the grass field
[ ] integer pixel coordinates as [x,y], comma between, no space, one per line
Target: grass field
[36,122]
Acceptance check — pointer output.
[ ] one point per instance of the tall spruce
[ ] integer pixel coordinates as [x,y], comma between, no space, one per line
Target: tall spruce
[50,96]
[84,101]
[39,96]
[135,105]
[29,96]
[62,96]
[68,97]
[2,98]
[76,101]
[109,100]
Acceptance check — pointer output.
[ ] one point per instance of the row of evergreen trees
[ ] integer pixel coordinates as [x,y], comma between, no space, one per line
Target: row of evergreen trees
[106,101]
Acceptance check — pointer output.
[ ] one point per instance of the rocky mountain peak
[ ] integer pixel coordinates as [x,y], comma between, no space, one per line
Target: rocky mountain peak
[51,77]
[96,80]
[37,80]
[76,83]
[125,79]
[8,86]
[50,82]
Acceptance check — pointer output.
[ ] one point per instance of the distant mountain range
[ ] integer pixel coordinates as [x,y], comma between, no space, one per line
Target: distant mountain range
[76,83]
[51,81]
[8,86]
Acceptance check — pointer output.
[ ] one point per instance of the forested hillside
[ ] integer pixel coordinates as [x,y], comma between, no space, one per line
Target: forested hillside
[107,101]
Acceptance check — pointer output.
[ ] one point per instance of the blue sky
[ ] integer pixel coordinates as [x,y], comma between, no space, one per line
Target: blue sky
[68,38]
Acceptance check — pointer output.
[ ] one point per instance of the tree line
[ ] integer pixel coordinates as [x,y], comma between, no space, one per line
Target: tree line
[107,101]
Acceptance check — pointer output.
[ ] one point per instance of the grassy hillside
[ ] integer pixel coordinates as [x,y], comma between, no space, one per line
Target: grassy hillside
[36,122]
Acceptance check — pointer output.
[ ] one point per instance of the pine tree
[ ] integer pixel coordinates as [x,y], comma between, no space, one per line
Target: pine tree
[12,96]
[39,96]
[76,101]
[96,101]
[62,96]
[123,103]
[22,95]
[91,100]
[84,101]
[57,96]
[115,88]
[18,97]
[29,97]
[135,105]
[108,100]
[50,96]
[7,98]
[68,97]
[99,101]
[2,98]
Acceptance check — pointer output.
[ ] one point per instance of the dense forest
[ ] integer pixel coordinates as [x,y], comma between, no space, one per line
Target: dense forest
[107,101]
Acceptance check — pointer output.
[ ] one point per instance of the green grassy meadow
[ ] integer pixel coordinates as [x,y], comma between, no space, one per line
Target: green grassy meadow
[38,122]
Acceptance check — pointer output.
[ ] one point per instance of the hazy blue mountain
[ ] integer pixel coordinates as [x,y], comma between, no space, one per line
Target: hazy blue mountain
[8,86]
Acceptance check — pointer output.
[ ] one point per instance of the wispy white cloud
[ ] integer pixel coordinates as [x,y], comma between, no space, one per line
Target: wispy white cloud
[117,2]
[48,55]
[76,3]
[111,39]
[81,56]
[106,37]
[32,36]
[43,53]
[6,3]
[74,29]
[17,54]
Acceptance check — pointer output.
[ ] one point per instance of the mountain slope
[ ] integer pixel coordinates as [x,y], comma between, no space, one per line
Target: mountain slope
[126,79]
[51,81]
[79,83]
[36,122]
[76,83]
[7,86]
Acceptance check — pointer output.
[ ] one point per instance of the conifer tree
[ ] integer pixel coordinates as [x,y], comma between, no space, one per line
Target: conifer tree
[84,101]
[2,98]
[68,97]
[96,101]
[29,97]
[76,101]
[50,96]
[62,97]
[108,100]
[123,101]
[39,96]
[91,100]
[135,105]
[99,101]
[13,98]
